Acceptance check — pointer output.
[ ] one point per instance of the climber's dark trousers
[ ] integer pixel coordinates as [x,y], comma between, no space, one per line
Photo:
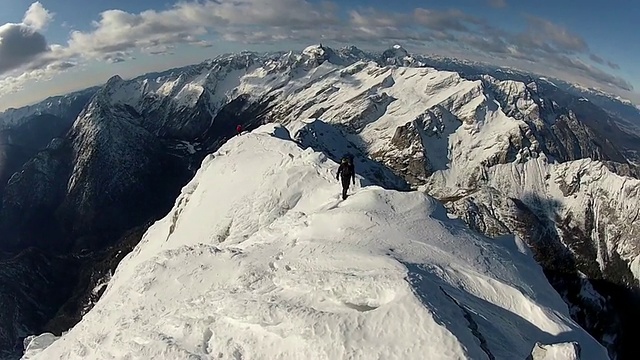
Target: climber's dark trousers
[345,187]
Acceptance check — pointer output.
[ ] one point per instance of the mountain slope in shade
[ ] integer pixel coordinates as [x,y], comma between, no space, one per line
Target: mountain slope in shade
[74,190]
[260,259]
[22,307]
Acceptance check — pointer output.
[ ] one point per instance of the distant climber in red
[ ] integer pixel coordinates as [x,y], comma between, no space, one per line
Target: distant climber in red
[238,129]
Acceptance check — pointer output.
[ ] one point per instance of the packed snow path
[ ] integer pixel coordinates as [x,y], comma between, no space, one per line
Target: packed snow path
[260,259]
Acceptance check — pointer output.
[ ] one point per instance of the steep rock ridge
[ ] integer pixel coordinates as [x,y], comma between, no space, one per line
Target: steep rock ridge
[622,112]
[608,115]
[75,189]
[20,143]
[557,129]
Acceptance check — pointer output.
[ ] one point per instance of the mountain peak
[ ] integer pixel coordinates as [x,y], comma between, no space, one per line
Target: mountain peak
[115,79]
[317,54]
[316,50]
[397,50]
[397,55]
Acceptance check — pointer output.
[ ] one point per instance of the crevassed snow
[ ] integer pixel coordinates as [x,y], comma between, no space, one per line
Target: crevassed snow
[260,259]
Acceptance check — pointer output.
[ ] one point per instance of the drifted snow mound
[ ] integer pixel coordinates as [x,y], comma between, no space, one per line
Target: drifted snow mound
[33,345]
[564,351]
[260,259]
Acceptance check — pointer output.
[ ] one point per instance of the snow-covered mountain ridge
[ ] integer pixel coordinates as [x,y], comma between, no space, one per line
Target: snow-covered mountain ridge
[59,106]
[490,144]
[260,259]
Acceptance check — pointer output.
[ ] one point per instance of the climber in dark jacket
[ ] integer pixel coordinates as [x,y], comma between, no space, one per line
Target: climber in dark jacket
[347,172]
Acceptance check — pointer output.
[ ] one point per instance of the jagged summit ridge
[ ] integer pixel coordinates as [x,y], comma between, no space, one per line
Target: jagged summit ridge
[283,269]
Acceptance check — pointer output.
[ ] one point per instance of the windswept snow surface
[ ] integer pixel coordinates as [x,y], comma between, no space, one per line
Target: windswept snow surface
[260,259]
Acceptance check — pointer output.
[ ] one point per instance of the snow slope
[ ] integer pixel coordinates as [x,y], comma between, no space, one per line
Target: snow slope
[259,259]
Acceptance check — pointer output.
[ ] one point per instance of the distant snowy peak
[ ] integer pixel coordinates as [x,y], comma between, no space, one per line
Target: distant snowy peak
[395,51]
[517,99]
[182,90]
[397,55]
[120,92]
[315,51]
[65,106]
[598,92]
[511,118]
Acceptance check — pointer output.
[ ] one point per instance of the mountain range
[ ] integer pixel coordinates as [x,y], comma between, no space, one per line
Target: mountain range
[505,151]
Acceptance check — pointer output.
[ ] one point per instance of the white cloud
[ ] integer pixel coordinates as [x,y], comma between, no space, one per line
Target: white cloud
[186,22]
[37,16]
[19,44]
[15,83]
[25,55]
[23,47]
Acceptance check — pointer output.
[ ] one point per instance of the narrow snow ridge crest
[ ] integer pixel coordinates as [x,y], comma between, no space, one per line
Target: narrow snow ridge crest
[261,259]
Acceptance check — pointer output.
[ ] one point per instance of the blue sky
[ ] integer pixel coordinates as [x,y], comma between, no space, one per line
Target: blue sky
[52,47]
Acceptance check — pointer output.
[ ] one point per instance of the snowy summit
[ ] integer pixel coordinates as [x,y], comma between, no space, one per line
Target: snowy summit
[261,259]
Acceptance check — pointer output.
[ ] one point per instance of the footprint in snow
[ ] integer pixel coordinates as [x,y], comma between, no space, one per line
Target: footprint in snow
[206,338]
[359,307]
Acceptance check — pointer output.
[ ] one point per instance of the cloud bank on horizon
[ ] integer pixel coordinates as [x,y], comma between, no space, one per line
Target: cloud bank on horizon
[543,46]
